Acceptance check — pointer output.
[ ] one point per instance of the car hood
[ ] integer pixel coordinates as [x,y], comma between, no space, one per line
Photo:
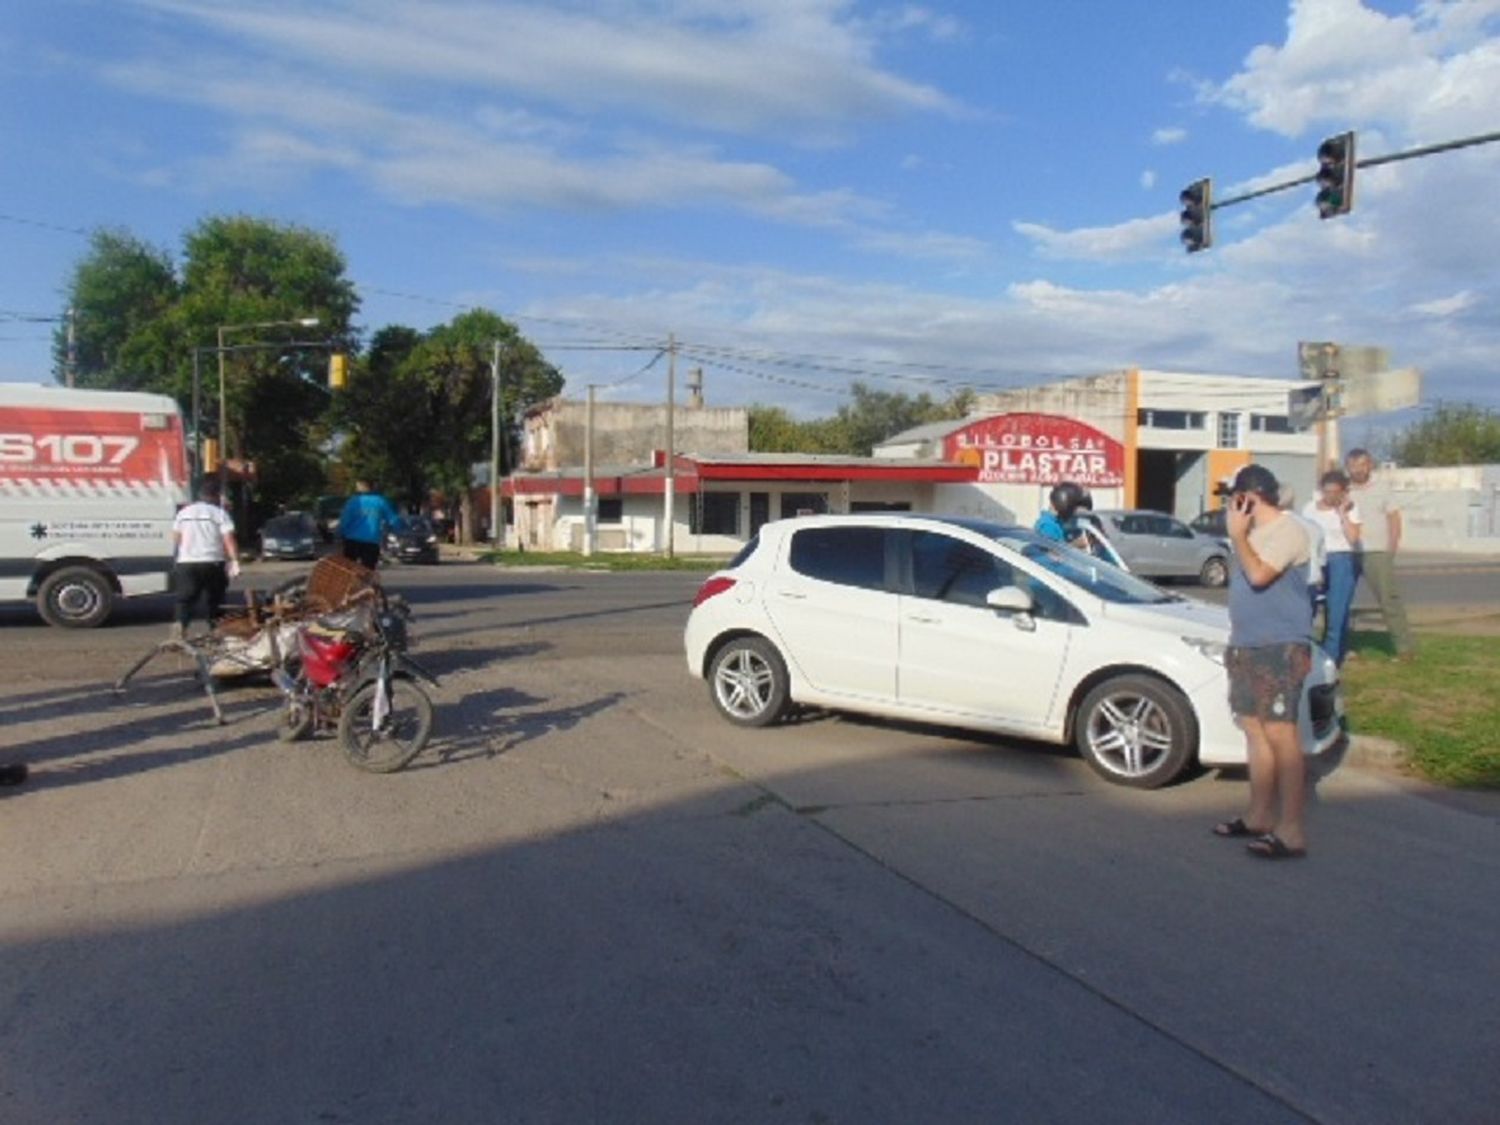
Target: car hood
[1185,617]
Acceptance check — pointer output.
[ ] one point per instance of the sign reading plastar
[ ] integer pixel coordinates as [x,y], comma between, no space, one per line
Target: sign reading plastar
[1038,449]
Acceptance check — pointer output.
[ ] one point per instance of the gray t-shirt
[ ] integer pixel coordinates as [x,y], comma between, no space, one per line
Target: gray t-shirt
[1376,500]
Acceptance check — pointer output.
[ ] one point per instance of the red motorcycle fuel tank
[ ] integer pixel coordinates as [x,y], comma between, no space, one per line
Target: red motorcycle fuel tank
[324,656]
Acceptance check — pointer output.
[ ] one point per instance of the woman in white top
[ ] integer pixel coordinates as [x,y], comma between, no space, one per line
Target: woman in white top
[1339,517]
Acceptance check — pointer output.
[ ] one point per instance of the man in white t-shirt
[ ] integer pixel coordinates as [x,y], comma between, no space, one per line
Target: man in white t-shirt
[1378,546]
[207,555]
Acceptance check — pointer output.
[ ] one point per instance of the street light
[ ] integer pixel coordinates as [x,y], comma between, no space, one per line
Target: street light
[300,322]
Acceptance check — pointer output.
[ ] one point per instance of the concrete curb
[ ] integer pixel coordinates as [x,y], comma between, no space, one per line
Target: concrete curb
[1373,752]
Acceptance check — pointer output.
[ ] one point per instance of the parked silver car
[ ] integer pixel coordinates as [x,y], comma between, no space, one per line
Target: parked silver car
[1156,545]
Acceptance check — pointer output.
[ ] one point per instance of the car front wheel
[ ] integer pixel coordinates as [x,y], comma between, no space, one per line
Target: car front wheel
[748,682]
[1215,571]
[1136,731]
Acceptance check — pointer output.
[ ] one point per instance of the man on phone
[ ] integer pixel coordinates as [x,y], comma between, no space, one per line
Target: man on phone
[1269,656]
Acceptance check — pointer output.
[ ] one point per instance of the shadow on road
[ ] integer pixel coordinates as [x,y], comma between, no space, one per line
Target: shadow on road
[495,722]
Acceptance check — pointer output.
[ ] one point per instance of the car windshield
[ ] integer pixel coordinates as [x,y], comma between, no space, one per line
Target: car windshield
[286,526]
[1083,570]
[415,525]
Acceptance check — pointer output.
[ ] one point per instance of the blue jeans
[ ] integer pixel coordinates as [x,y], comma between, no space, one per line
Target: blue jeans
[1340,577]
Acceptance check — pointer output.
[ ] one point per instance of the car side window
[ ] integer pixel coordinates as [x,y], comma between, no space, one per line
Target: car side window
[849,556]
[1134,525]
[950,570]
[1178,530]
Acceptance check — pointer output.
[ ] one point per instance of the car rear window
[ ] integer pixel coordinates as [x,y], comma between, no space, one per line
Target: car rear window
[744,552]
[849,556]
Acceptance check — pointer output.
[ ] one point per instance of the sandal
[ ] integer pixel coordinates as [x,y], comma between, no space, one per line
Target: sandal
[1272,846]
[1236,827]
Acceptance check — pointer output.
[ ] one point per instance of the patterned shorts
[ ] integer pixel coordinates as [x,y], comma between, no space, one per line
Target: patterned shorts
[1265,682]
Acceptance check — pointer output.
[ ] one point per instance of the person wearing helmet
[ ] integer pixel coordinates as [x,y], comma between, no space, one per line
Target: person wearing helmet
[1058,521]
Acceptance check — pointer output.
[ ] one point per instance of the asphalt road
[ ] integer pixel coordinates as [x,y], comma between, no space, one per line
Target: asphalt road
[593,900]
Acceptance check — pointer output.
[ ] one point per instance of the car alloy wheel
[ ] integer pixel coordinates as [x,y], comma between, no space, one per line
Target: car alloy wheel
[1215,572]
[748,681]
[1136,731]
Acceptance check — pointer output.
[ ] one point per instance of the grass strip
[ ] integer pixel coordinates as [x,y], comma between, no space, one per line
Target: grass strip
[1443,703]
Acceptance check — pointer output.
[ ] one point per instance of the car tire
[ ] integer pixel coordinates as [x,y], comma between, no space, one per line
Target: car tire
[1215,571]
[1136,731]
[75,597]
[748,683]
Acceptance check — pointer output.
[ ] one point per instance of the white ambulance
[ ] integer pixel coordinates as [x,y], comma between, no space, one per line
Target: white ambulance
[89,483]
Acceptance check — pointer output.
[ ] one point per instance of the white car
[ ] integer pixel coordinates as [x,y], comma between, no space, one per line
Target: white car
[971,624]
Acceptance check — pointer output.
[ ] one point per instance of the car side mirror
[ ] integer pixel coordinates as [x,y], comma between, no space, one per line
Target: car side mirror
[1009,599]
[1014,601]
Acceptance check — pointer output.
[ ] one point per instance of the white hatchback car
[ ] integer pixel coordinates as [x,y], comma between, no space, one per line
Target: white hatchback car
[971,624]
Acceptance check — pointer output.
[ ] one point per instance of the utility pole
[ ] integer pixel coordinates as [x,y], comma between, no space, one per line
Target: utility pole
[71,374]
[669,514]
[497,534]
[588,475]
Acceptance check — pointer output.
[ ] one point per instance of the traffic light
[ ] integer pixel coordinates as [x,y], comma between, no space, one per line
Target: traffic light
[210,456]
[338,371]
[1197,215]
[1336,175]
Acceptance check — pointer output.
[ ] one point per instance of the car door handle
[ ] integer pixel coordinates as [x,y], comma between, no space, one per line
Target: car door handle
[922,619]
[792,595]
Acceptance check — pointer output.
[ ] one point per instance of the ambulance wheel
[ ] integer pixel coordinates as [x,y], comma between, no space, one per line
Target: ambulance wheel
[75,597]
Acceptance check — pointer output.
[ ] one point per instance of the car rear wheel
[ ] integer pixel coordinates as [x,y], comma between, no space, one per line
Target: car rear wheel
[1136,731]
[748,682]
[1215,571]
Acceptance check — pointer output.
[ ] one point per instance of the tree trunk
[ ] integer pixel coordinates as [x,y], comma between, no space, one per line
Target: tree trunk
[466,516]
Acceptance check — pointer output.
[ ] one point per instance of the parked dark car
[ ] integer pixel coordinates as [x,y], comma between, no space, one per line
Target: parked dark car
[415,539]
[1156,545]
[328,510]
[292,535]
[1211,523]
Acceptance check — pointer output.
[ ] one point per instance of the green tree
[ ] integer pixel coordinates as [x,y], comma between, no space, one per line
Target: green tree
[1453,434]
[452,363]
[873,416]
[122,293]
[386,417]
[141,322]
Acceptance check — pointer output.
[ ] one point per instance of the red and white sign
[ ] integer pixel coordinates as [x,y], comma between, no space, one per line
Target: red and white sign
[102,445]
[1038,449]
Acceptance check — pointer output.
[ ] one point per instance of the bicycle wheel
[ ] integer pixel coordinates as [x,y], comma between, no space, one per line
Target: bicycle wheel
[398,739]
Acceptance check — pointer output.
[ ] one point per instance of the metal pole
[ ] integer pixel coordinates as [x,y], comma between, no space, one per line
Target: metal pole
[72,372]
[197,422]
[668,504]
[497,534]
[588,474]
[223,424]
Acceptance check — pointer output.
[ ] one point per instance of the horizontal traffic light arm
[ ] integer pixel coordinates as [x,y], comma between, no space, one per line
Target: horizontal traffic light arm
[1368,162]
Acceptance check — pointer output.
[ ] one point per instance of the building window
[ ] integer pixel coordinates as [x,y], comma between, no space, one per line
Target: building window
[611,511]
[1229,431]
[803,504]
[1172,419]
[715,513]
[1271,424]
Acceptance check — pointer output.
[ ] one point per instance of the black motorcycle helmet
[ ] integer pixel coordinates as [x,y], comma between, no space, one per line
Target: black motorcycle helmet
[1066,498]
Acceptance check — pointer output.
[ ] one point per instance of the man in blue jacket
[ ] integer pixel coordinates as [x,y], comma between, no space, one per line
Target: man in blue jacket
[363,524]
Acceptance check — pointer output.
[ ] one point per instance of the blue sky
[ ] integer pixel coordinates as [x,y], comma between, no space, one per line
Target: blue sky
[920,195]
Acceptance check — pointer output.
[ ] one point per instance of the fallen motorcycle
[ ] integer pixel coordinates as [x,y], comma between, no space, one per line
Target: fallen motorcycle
[355,676]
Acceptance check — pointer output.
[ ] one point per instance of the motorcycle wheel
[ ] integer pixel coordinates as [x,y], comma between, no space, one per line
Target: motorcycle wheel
[296,721]
[398,740]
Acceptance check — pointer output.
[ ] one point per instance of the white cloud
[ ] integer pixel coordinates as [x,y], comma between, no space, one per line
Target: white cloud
[1457,303]
[1148,179]
[1435,72]
[1171,135]
[752,68]
[1133,239]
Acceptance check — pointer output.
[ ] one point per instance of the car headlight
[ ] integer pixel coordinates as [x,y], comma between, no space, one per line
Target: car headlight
[432,539]
[1213,650]
[270,544]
